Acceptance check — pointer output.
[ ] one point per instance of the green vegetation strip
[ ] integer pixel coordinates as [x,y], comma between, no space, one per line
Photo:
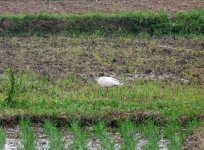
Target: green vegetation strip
[40,97]
[102,24]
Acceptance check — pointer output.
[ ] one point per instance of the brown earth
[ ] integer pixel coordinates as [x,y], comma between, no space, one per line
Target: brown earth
[56,57]
[110,6]
[195,141]
[111,119]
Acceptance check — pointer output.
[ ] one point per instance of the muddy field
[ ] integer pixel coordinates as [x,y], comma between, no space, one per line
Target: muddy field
[110,6]
[56,57]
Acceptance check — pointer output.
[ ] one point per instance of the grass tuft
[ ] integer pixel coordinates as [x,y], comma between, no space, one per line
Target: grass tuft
[54,135]
[80,137]
[27,135]
[128,131]
[10,100]
[151,134]
[173,133]
[102,134]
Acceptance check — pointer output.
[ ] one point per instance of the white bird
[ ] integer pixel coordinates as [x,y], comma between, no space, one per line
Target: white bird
[106,81]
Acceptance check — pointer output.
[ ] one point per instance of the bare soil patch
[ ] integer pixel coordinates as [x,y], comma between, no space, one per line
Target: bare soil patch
[109,6]
[195,141]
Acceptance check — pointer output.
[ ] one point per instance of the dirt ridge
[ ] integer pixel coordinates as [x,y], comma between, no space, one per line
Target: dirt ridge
[112,119]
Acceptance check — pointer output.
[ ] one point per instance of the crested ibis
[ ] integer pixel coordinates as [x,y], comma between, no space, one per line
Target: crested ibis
[106,81]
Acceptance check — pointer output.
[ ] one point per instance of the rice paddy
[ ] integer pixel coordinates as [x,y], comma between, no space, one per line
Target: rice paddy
[48,101]
[128,136]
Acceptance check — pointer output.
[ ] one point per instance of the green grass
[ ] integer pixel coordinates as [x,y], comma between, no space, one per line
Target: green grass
[10,100]
[101,133]
[128,131]
[40,97]
[27,135]
[191,22]
[54,135]
[134,23]
[80,137]
[151,134]
[173,134]
[2,138]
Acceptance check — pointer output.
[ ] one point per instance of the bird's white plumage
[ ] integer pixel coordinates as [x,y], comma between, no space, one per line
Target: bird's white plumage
[108,82]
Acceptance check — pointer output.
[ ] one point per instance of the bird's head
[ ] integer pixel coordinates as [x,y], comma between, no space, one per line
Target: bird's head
[92,75]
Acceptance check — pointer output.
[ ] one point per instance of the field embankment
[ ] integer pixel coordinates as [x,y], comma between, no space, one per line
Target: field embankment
[152,23]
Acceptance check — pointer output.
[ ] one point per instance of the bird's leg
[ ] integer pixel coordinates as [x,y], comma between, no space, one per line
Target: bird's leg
[102,93]
[107,91]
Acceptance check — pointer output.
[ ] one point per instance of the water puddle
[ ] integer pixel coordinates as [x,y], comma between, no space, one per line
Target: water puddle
[152,76]
[13,141]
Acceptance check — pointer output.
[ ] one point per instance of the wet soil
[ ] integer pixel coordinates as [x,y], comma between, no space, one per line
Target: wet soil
[13,140]
[109,6]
